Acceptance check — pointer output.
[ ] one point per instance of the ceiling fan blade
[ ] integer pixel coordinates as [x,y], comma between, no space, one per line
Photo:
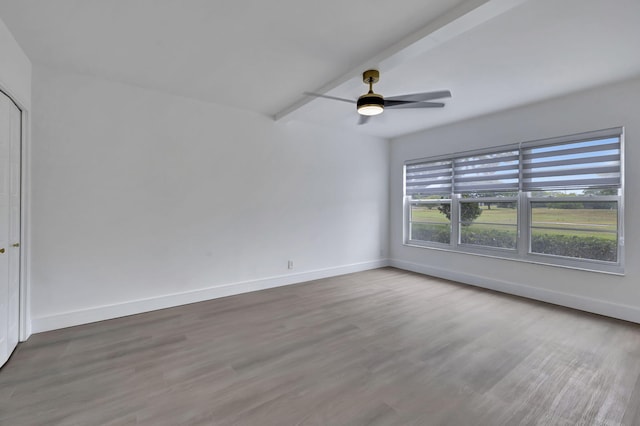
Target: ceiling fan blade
[419,97]
[415,105]
[318,95]
[364,119]
[391,103]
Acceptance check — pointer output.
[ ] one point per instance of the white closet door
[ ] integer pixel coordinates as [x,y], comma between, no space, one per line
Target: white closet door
[10,138]
[15,120]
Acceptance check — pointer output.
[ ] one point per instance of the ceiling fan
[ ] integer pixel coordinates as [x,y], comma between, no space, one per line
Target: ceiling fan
[371,103]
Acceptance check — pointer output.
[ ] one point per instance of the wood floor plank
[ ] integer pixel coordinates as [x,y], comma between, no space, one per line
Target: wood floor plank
[381,347]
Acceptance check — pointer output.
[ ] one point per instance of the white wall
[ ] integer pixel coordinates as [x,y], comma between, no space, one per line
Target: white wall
[143,200]
[15,69]
[610,106]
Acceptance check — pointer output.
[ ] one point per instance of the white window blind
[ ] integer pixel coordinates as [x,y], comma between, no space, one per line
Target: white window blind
[496,171]
[428,178]
[577,162]
[573,165]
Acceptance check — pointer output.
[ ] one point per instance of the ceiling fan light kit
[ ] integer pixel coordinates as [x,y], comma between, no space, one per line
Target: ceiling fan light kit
[370,104]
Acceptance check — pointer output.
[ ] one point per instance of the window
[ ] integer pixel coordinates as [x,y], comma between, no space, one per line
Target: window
[430,186]
[495,226]
[580,229]
[427,223]
[556,201]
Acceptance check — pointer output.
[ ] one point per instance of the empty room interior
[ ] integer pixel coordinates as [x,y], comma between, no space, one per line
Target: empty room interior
[319,213]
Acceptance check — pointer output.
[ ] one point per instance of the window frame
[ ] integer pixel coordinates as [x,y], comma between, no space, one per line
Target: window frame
[523,201]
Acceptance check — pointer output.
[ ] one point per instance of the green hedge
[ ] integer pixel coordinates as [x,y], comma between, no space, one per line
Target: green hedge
[431,233]
[488,237]
[582,247]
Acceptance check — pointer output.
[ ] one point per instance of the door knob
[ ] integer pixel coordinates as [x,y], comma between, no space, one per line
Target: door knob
[16,244]
[1,250]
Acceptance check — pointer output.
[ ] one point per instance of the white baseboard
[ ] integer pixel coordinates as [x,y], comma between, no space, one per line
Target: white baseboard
[101,313]
[610,309]
[105,312]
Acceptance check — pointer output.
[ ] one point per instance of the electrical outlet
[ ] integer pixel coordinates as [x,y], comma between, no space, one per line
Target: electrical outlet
[290,264]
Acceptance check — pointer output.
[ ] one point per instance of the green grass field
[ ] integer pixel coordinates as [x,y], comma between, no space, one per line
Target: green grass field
[599,223]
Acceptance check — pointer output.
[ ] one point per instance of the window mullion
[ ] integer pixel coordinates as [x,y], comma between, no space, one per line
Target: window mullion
[524,225]
[523,211]
[406,227]
[454,209]
[455,220]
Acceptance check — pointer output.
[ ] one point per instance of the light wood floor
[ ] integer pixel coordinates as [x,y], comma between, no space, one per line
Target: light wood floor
[382,347]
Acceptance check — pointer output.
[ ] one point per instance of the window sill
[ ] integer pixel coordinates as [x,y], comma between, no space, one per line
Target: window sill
[536,259]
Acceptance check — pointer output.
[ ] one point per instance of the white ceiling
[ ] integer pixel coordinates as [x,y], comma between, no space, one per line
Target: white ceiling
[261,56]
